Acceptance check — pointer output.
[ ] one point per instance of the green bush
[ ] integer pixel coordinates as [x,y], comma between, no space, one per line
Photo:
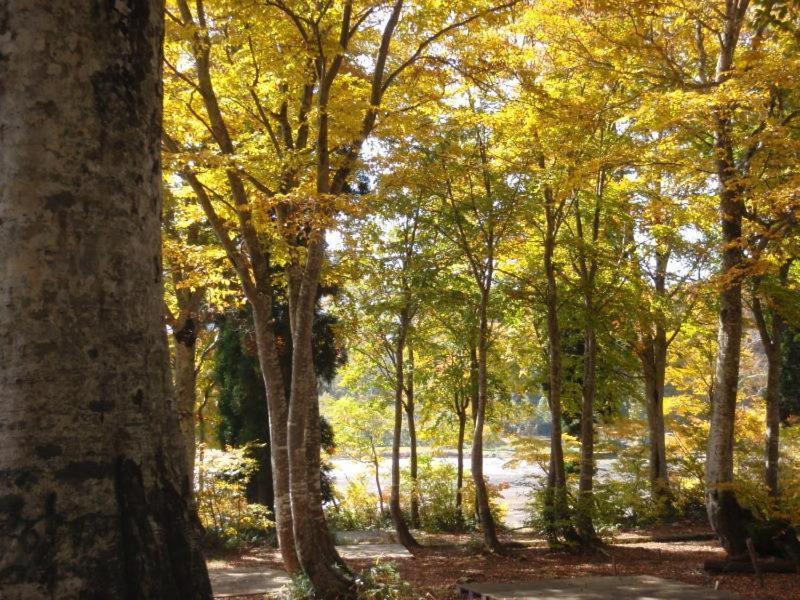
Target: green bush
[229,520]
[380,582]
[437,498]
[357,509]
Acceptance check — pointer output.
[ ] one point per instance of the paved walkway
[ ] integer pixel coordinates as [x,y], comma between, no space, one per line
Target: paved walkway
[229,580]
[640,587]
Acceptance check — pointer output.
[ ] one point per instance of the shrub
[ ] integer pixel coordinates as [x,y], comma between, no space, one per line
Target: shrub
[358,508]
[229,520]
[380,582]
[437,498]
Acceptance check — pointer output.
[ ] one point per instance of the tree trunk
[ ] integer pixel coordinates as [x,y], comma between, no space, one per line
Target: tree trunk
[557,481]
[729,521]
[727,518]
[91,456]
[585,495]
[653,359]
[654,362]
[772,437]
[462,425]
[771,338]
[278,415]
[376,464]
[401,527]
[481,493]
[318,558]
[412,437]
[185,335]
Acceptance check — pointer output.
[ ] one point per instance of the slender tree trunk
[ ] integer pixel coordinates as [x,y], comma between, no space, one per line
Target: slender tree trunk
[376,464]
[481,492]
[771,338]
[94,501]
[401,527]
[318,558]
[585,492]
[412,437]
[653,359]
[462,426]
[772,437]
[557,492]
[278,410]
[185,336]
[727,518]
[729,521]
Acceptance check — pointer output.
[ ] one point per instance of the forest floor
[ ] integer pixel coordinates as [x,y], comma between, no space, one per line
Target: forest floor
[435,570]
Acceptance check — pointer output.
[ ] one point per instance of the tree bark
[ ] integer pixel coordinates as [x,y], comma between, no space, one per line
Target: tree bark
[93,499]
[412,439]
[481,492]
[404,536]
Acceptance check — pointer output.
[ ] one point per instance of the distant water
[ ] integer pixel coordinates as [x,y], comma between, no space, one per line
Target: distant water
[519,480]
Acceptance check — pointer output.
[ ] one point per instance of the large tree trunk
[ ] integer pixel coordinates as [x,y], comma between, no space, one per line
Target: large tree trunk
[401,527]
[481,492]
[412,439]
[91,456]
[586,482]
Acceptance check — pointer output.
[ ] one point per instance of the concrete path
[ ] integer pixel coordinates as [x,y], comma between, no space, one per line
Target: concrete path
[640,587]
[239,581]
[229,580]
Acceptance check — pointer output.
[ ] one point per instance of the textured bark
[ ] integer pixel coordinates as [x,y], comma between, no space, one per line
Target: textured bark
[412,438]
[93,502]
[401,527]
[481,492]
